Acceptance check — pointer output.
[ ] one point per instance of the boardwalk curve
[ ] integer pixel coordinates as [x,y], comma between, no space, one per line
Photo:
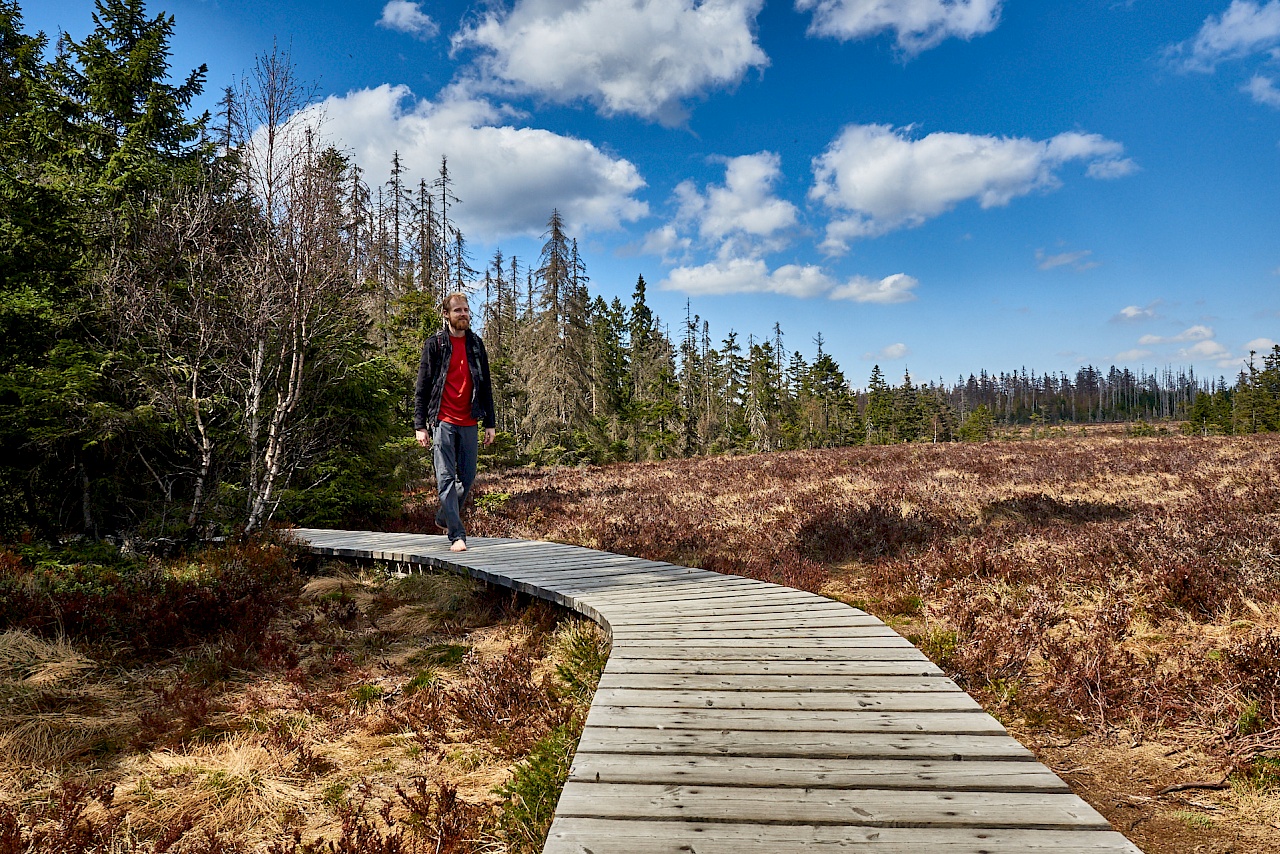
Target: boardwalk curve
[736,716]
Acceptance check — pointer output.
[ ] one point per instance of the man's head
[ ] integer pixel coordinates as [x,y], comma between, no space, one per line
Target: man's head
[456,312]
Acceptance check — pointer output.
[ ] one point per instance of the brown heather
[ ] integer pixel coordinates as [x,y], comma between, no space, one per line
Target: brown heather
[367,716]
[1099,587]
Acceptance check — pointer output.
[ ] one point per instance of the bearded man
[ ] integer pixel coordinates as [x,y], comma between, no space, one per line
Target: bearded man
[452,397]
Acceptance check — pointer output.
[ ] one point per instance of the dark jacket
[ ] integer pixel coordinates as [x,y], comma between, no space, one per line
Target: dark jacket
[432,369]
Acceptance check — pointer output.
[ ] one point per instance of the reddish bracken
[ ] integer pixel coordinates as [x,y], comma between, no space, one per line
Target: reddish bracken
[1085,579]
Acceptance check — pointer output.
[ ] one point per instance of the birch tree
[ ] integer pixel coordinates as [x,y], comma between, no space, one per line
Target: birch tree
[297,304]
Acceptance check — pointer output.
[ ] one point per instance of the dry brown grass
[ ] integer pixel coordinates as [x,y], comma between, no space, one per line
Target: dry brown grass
[322,746]
[53,708]
[1117,590]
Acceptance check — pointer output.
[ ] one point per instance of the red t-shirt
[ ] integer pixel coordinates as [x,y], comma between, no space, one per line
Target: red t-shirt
[455,403]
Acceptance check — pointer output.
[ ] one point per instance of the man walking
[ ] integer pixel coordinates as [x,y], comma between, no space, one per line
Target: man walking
[454,395]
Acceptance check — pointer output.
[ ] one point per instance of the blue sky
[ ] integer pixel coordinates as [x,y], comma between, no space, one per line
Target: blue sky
[935,185]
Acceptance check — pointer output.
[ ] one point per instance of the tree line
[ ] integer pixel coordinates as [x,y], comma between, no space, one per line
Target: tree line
[212,321]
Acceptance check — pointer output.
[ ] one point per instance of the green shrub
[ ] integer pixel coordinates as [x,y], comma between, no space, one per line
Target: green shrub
[584,653]
[529,797]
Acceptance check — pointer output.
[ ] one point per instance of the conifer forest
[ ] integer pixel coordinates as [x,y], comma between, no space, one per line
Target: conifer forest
[211,321]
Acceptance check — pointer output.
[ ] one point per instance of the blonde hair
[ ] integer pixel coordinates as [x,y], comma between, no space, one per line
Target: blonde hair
[445,303]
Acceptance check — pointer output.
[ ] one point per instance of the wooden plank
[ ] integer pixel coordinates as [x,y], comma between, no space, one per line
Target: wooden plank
[585,566]
[820,701]
[816,745]
[713,636]
[845,616]
[700,652]
[586,584]
[774,720]
[748,666]
[610,836]
[570,563]
[770,606]
[745,717]
[710,603]
[683,598]
[591,586]
[883,636]
[775,682]
[719,588]
[864,807]
[808,772]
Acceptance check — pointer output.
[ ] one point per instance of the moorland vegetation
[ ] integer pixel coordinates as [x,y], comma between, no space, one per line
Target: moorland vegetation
[1114,596]
[225,703]
[211,321]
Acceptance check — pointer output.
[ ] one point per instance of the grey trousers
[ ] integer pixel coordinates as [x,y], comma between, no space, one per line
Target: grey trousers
[454,451]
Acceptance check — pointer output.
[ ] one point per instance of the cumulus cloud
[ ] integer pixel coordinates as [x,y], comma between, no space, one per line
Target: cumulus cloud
[747,276]
[752,276]
[1205,350]
[405,17]
[1133,313]
[642,57]
[742,217]
[884,179]
[917,24]
[667,243]
[1199,345]
[891,289]
[744,203]
[1192,333]
[1244,29]
[1075,260]
[509,178]
[1260,345]
[1264,91]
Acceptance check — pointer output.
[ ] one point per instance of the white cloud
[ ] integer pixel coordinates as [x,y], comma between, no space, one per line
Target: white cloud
[405,17]
[747,276]
[1263,90]
[891,289]
[743,203]
[1245,28]
[892,352]
[1201,347]
[887,180]
[1205,350]
[752,276]
[1075,260]
[1132,313]
[1132,355]
[1260,345]
[509,178]
[1106,170]
[643,57]
[1191,333]
[667,243]
[917,24]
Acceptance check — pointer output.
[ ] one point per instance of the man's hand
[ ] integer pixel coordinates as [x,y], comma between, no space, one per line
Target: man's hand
[490,433]
[424,437]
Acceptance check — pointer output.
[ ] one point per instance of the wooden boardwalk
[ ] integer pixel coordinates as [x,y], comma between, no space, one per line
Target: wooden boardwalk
[740,717]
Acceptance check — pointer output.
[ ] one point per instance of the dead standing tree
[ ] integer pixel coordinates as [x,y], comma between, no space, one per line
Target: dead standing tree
[165,286]
[297,306]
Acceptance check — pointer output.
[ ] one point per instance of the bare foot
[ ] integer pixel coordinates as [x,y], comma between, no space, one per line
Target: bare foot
[458,546]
